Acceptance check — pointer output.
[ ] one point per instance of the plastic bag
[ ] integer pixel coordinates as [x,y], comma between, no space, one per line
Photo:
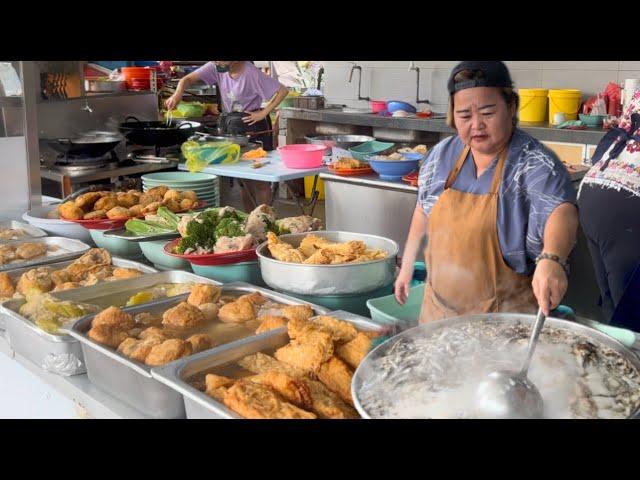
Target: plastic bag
[599,106]
[201,154]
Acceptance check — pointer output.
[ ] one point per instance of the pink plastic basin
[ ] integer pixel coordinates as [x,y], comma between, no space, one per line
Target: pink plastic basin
[301,155]
[377,105]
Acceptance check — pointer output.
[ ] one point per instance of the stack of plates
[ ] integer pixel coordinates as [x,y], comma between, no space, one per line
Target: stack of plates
[206,186]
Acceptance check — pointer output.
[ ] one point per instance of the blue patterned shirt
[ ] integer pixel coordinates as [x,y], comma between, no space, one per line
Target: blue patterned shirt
[534,183]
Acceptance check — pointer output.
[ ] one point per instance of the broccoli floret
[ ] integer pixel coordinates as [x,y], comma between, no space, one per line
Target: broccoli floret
[229,227]
[200,233]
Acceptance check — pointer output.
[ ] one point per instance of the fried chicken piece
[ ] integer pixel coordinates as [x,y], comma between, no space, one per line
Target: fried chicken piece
[37,278]
[106,203]
[154,332]
[183,316]
[6,286]
[168,351]
[292,390]
[86,201]
[138,349]
[95,215]
[239,311]
[311,244]
[126,200]
[256,298]
[200,342]
[262,363]
[69,210]
[147,319]
[217,385]
[336,375]
[114,316]
[354,351]
[327,404]
[66,286]
[297,312]
[341,331]
[282,251]
[109,335]
[204,293]
[121,273]
[310,355]
[271,322]
[254,401]
[319,258]
[118,212]
[135,211]
[27,251]
[353,247]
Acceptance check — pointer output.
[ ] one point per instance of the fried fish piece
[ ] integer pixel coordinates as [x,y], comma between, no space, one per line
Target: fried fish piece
[121,273]
[336,376]
[282,251]
[354,351]
[341,331]
[311,244]
[327,404]
[297,312]
[271,322]
[256,401]
[154,332]
[36,278]
[239,311]
[108,334]
[106,203]
[27,251]
[204,293]
[291,389]
[168,351]
[217,385]
[114,316]
[70,211]
[95,215]
[7,288]
[86,201]
[262,363]
[309,354]
[183,316]
[200,342]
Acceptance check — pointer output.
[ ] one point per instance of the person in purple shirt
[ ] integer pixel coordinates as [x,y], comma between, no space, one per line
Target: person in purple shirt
[496,205]
[242,88]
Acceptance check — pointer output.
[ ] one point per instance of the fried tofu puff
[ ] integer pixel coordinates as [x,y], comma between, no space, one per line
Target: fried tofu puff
[115,317]
[71,211]
[109,335]
[86,201]
[106,203]
[37,278]
[136,210]
[168,351]
[118,212]
[95,215]
[200,342]
[271,322]
[183,316]
[297,312]
[240,311]
[126,200]
[121,273]
[204,293]
[7,288]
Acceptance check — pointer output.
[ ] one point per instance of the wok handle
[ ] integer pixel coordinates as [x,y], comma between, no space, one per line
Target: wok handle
[131,117]
[64,140]
[185,123]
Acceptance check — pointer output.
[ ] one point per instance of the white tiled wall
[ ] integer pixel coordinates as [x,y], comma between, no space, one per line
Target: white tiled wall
[392,80]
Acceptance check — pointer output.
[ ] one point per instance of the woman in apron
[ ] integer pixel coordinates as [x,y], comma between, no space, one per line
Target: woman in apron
[242,88]
[496,205]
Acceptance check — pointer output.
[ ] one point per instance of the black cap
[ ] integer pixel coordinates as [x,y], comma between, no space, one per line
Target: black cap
[495,74]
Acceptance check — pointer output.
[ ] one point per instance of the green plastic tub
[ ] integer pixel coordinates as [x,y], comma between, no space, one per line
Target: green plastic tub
[248,272]
[362,151]
[387,311]
[116,246]
[154,252]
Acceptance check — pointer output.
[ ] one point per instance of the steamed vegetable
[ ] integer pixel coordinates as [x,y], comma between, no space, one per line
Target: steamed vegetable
[165,221]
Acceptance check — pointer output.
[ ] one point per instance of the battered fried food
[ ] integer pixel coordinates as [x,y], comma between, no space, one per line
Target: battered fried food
[172,195]
[66,286]
[70,211]
[297,312]
[319,258]
[200,342]
[151,208]
[239,311]
[346,163]
[158,191]
[109,335]
[341,331]
[271,322]
[138,349]
[309,354]
[256,298]
[262,363]
[153,332]
[7,254]
[289,388]
[106,203]
[126,200]
[95,215]
[311,244]
[93,257]
[121,273]
[61,276]
[255,401]
[147,319]
[353,247]
[217,385]
[336,375]
[37,278]
[354,351]
[188,204]
[204,293]
[6,286]
[168,351]
[135,211]
[86,201]
[172,205]
[190,195]
[282,251]
[27,251]
[183,316]
[327,404]
[118,212]
[115,317]
[210,311]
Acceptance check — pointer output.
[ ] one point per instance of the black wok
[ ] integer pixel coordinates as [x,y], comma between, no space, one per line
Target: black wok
[158,133]
[88,145]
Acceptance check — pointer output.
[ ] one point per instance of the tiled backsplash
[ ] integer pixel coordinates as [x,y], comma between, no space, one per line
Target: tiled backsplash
[393,81]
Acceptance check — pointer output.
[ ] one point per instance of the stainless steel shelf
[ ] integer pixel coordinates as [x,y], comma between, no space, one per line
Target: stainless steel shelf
[10,102]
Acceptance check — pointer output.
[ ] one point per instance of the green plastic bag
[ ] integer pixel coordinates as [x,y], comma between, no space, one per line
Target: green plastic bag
[201,154]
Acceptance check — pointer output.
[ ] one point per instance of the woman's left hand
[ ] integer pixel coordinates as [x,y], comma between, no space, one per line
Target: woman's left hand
[549,285]
[254,117]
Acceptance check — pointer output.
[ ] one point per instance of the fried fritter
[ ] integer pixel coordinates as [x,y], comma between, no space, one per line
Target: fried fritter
[297,312]
[200,342]
[172,195]
[310,355]
[151,208]
[183,316]
[204,293]
[114,316]
[66,286]
[158,191]
[292,390]
[311,244]
[318,258]
[282,251]
[210,311]
[168,351]
[37,278]
[337,376]
[135,211]
[95,215]
[271,322]
[255,401]
[118,212]
[93,257]
[86,201]
[187,204]
[126,200]
[217,385]
[327,404]
[262,363]
[7,254]
[121,273]
[172,205]
[255,298]
[354,351]
[106,203]
[190,195]
[70,211]
[341,331]
[6,286]
[109,335]
[147,319]
[237,312]
[154,332]
[61,276]
[27,251]
[138,349]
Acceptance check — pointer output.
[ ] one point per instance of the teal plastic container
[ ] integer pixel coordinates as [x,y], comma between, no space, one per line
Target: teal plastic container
[362,151]
[116,246]
[248,272]
[387,311]
[154,252]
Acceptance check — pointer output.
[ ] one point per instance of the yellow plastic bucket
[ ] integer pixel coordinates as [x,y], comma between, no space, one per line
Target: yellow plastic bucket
[533,104]
[566,101]
[308,185]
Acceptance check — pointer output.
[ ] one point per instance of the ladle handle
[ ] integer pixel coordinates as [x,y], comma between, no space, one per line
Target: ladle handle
[533,341]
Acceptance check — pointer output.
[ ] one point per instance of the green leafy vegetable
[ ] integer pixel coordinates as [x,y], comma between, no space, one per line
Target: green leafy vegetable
[229,227]
[146,227]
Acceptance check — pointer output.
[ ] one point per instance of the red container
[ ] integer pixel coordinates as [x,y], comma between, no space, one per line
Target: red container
[302,155]
[377,105]
[211,259]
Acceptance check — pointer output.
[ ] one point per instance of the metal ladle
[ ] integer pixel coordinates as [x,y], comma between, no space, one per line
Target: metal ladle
[509,394]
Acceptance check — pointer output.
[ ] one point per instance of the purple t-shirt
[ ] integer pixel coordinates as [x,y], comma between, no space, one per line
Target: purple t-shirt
[249,90]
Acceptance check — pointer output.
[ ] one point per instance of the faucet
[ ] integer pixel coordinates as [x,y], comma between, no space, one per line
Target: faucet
[359,68]
[412,66]
[86,107]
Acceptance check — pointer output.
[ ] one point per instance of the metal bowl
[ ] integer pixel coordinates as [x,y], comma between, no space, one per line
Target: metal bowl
[341,279]
[364,370]
[344,142]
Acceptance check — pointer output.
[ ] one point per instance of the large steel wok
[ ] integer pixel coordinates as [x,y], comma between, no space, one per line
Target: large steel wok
[158,133]
[90,144]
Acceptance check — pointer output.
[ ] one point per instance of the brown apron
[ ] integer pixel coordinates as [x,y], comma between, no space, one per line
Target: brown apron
[466,271]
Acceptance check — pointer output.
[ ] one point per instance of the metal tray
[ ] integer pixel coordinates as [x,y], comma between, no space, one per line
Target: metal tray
[31,231]
[124,234]
[200,405]
[69,248]
[132,381]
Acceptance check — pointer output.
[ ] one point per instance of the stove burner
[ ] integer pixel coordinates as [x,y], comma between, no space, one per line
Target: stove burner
[85,161]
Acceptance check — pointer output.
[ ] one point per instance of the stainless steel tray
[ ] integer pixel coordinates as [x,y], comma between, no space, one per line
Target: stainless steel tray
[341,279]
[124,234]
[200,405]
[68,248]
[31,231]
[132,381]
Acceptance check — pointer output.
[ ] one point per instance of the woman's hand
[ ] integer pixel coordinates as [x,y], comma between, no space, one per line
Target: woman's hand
[254,117]
[403,284]
[549,284]
[172,101]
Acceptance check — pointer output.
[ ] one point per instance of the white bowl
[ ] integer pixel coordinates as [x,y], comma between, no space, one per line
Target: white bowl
[39,217]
